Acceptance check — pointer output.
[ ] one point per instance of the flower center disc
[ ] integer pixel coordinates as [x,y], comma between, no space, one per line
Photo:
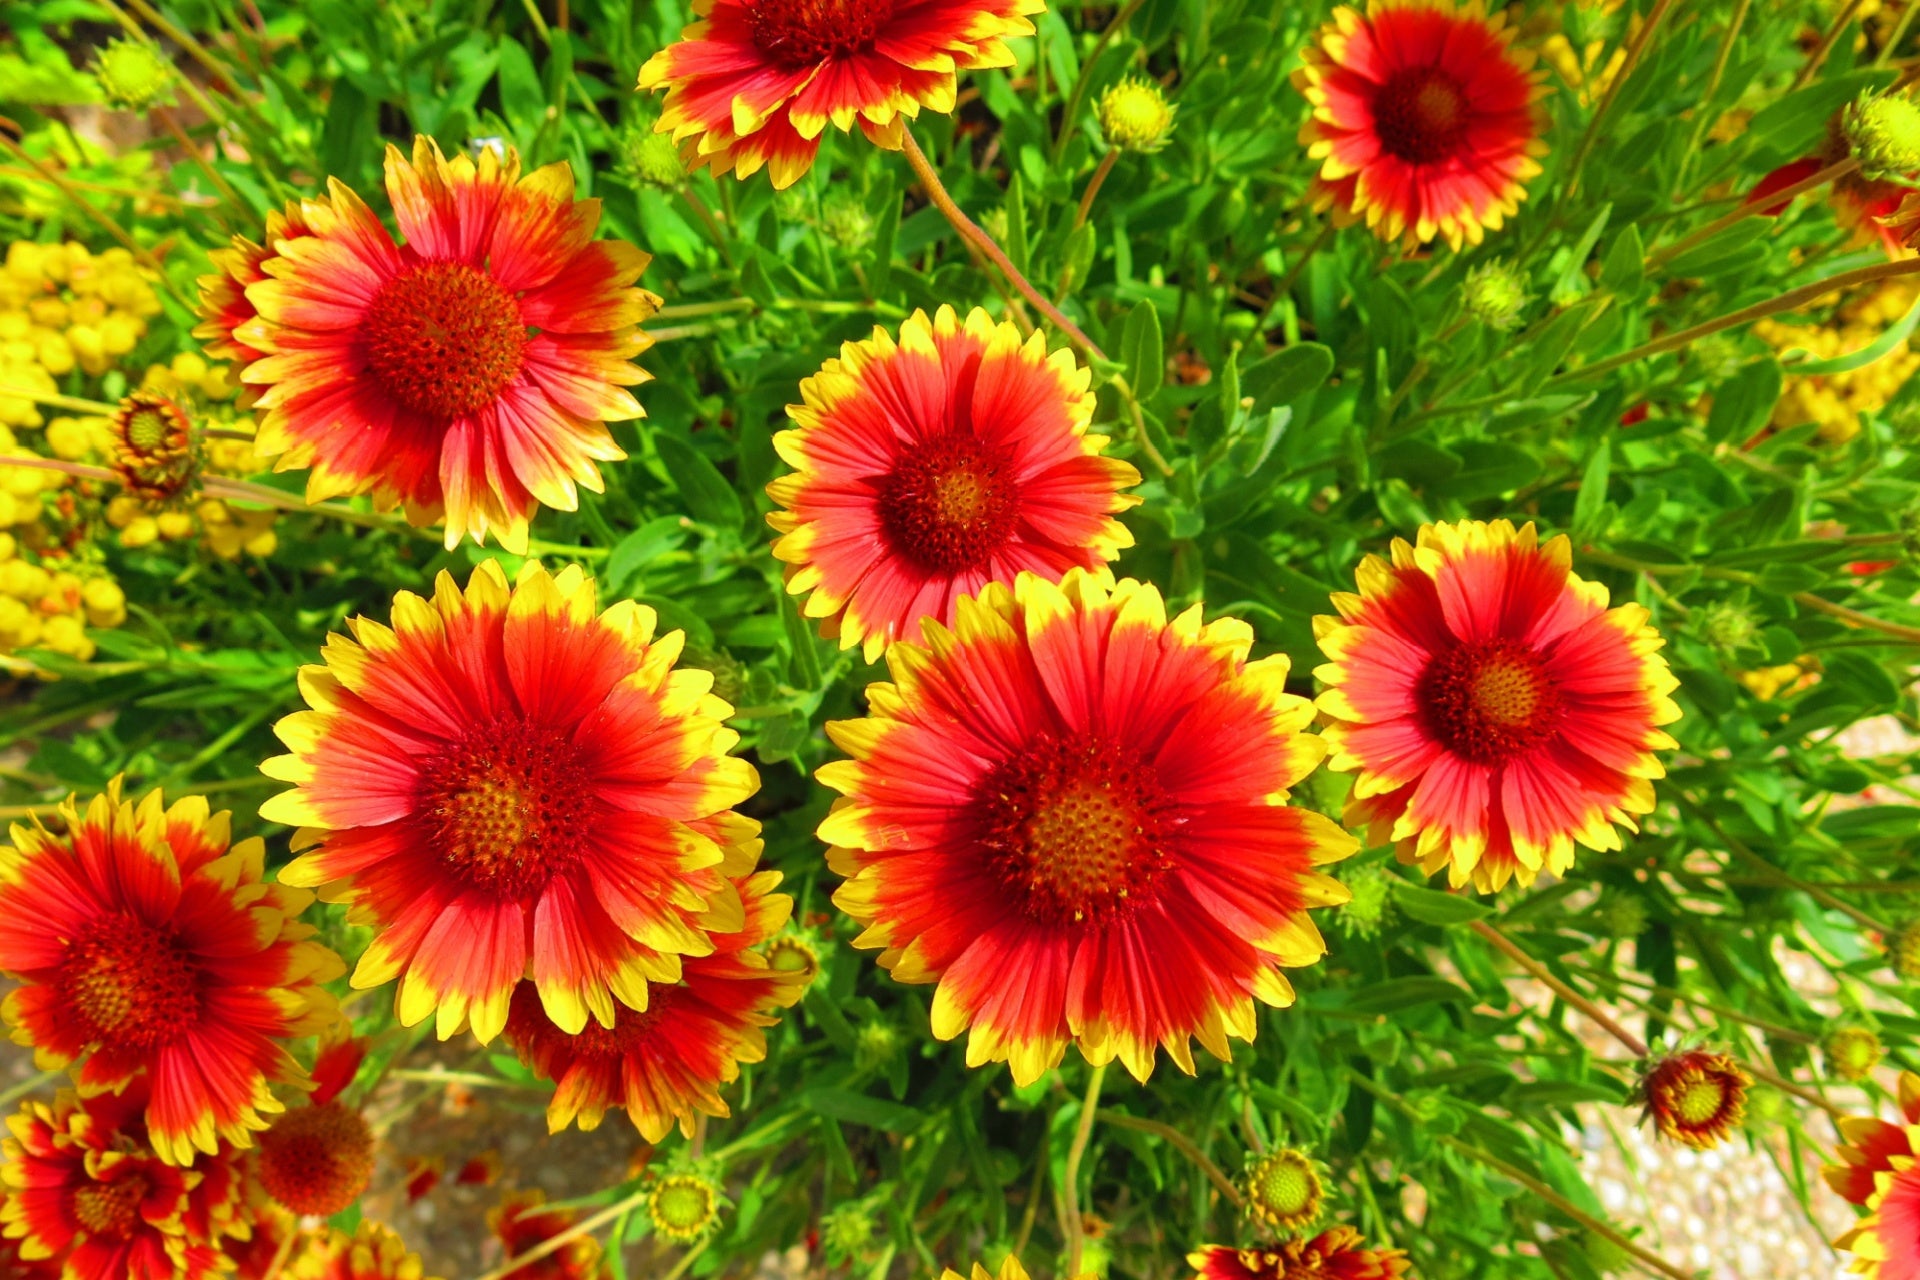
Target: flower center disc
[1421,115]
[317,1159]
[948,507]
[798,33]
[508,809]
[1073,828]
[1699,1101]
[445,339]
[1489,702]
[110,1210]
[1285,1188]
[129,983]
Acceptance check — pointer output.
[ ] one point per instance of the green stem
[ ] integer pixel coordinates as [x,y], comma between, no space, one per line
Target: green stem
[1070,1176]
[1185,1146]
[1701,125]
[1820,51]
[1600,1017]
[1751,208]
[1668,993]
[1759,310]
[1078,94]
[1652,1261]
[1100,173]
[107,224]
[1635,49]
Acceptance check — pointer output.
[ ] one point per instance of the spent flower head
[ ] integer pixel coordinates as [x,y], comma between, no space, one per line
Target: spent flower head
[1726,626]
[846,220]
[1135,115]
[1371,904]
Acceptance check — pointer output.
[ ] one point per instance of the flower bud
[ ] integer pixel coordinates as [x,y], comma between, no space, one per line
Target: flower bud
[133,74]
[1494,293]
[1135,115]
[1882,132]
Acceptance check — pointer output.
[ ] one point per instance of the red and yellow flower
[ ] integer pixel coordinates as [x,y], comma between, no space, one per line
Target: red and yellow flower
[1339,1253]
[668,1063]
[146,945]
[927,468]
[521,1222]
[1425,119]
[1695,1097]
[1495,710]
[469,372]
[1069,812]
[1879,1170]
[372,1252]
[755,83]
[505,785]
[224,305]
[84,1186]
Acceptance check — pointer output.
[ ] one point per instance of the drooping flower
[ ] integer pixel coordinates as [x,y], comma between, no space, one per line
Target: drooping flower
[1495,709]
[667,1064]
[1339,1253]
[145,944]
[1284,1191]
[469,372]
[755,83]
[505,785]
[1879,1170]
[1069,812]
[153,455]
[926,469]
[372,1252]
[683,1207]
[1868,206]
[522,1221]
[1694,1097]
[1424,119]
[83,1185]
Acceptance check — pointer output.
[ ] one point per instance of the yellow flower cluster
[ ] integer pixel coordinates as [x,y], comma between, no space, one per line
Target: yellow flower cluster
[1768,683]
[1834,402]
[63,308]
[51,609]
[1582,69]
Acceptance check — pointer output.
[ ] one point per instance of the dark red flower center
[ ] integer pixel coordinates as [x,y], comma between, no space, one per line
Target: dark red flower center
[1073,827]
[110,1210]
[130,985]
[317,1159]
[799,33]
[445,339]
[1421,115]
[949,505]
[508,808]
[1490,702]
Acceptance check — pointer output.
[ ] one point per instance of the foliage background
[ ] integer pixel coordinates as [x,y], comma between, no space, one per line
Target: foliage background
[1313,403]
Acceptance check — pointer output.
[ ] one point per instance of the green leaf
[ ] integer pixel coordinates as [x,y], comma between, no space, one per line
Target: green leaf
[1431,906]
[1143,351]
[1591,503]
[1624,270]
[638,549]
[709,497]
[1565,1093]
[849,1107]
[1408,993]
[1286,375]
[1894,339]
[1743,403]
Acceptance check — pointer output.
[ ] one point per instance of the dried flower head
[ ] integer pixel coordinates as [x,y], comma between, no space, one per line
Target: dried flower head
[153,453]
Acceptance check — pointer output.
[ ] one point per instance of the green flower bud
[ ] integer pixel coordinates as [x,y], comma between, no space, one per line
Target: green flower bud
[1903,951]
[846,1231]
[1882,132]
[846,221]
[650,159]
[1371,904]
[1494,294]
[1135,115]
[875,1044]
[133,74]
[1624,915]
[1852,1052]
[1726,627]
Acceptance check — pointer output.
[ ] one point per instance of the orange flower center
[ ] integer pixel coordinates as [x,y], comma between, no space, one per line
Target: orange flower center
[508,809]
[949,505]
[799,33]
[1489,702]
[1072,827]
[110,1210]
[1420,115]
[445,339]
[317,1159]
[130,984]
